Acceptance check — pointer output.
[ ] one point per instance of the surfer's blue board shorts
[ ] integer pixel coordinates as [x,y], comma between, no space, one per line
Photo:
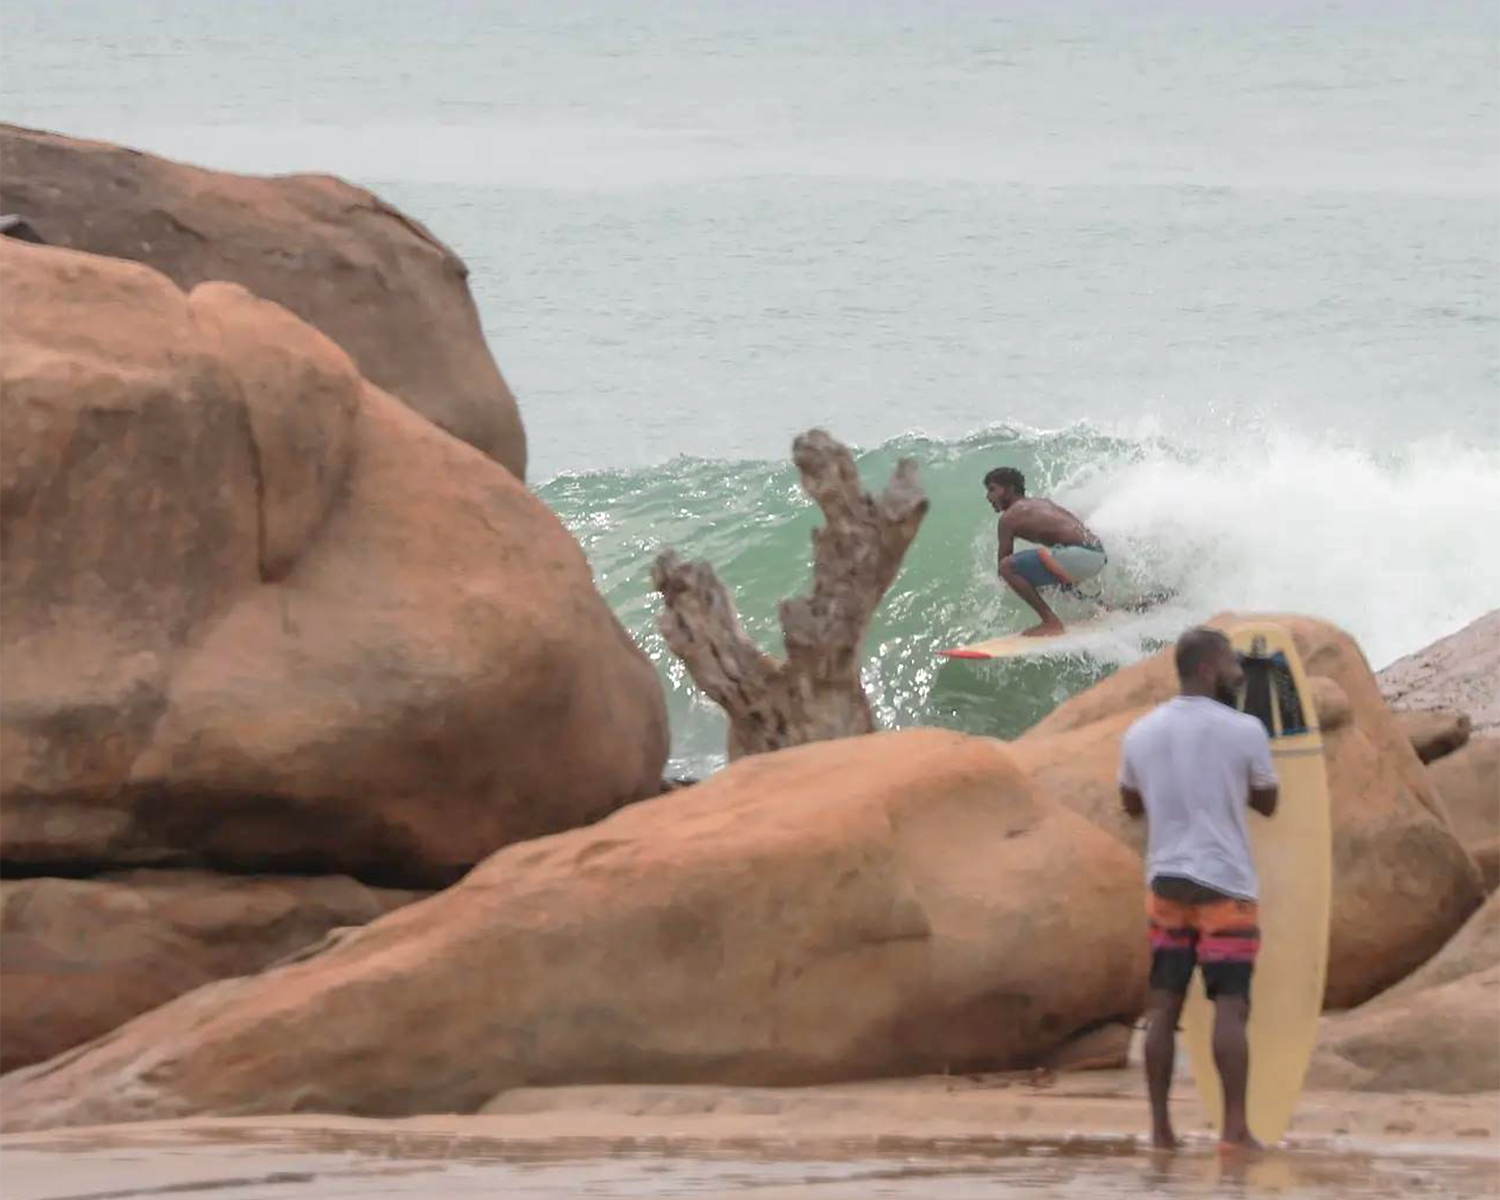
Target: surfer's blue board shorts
[1058,566]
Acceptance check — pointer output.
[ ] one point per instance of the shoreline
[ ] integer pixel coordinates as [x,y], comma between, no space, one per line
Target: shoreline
[549,1141]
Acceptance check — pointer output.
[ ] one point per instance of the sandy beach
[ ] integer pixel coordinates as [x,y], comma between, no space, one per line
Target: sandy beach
[1075,1135]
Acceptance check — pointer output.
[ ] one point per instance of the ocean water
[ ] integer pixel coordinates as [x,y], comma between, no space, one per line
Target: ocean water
[1222,277]
[1299,525]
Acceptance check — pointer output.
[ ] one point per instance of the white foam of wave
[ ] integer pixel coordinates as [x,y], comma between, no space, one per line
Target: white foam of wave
[1399,552]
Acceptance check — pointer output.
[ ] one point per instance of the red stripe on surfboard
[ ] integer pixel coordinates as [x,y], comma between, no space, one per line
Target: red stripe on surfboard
[964,654]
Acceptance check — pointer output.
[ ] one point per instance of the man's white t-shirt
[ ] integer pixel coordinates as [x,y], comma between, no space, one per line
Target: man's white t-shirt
[1194,761]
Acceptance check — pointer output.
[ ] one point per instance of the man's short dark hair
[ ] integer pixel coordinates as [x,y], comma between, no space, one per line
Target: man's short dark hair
[1007,477]
[1196,647]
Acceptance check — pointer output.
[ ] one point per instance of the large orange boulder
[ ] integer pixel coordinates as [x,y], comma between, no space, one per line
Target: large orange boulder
[1468,780]
[1403,882]
[1434,733]
[1474,948]
[256,614]
[1487,859]
[1456,672]
[368,276]
[892,904]
[81,956]
[1437,1031]
[1444,1039]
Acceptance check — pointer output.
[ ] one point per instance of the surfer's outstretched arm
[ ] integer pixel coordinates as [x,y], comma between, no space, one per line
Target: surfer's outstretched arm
[1144,604]
[1097,600]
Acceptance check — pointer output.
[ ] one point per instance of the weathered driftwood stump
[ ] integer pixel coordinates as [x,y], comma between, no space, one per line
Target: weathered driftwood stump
[814,693]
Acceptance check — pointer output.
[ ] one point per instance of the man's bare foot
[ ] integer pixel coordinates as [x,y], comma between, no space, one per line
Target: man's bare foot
[1164,1139]
[1045,629]
[1242,1145]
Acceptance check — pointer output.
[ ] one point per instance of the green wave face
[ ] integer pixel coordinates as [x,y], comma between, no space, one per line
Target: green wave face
[752,521]
[1391,547]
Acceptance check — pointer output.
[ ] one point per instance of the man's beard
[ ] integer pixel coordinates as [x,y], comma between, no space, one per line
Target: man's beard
[1227,694]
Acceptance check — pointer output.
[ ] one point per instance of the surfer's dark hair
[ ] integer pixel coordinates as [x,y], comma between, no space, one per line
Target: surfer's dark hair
[1007,477]
[1196,647]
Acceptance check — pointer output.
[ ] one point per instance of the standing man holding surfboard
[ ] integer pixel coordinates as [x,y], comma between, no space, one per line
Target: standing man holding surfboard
[1193,767]
[1066,553]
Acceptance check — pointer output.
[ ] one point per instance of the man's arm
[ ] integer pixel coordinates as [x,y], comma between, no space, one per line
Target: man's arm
[1264,791]
[1131,799]
[1007,535]
[1263,800]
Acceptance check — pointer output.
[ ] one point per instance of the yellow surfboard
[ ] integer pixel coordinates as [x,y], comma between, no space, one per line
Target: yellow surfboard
[1079,637]
[1294,859]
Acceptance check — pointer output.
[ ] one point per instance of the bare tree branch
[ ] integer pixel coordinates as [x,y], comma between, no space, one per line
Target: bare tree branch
[815,693]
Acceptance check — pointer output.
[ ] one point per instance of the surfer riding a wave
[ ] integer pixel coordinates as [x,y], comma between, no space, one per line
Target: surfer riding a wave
[1067,552]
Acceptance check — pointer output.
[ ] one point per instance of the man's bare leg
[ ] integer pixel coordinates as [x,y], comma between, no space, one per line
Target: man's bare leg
[1051,626]
[1162,1011]
[1232,1057]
